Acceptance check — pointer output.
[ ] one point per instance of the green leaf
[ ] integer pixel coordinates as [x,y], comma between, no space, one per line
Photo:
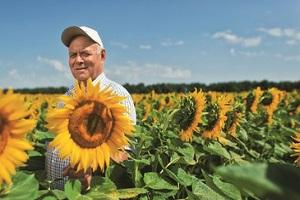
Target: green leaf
[49,198]
[242,133]
[51,194]
[237,158]
[73,189]
[24,187]
[142,161]
[188,153]
[104,184]
[131,192]
[204,192]
[41,135]
[33,153]
[42,193]
[102,188]
[162,195]
[154,181]
[252,177]
[192,196]
[215,148]
[59,194]
[184,178]
[227,189]
[172,175]
[97,195]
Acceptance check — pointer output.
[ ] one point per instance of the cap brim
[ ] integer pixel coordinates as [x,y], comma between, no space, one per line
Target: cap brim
[69,33]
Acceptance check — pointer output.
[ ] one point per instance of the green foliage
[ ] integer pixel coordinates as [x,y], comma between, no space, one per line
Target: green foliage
[255,163]
[25,187]
[275,181]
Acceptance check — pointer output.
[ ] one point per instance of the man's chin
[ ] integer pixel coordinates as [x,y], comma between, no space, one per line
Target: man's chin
[82,78]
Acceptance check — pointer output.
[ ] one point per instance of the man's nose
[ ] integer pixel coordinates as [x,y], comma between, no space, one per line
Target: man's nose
[78,58]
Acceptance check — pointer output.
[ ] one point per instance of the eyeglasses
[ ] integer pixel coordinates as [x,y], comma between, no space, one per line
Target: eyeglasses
[83,54]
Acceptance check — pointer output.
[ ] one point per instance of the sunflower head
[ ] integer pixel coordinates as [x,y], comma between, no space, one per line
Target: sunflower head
[91,126]
[296,148]
[266,98]
[189,115]
[13,130]
[293,105]
[211,115]
[249,100]
[186,112]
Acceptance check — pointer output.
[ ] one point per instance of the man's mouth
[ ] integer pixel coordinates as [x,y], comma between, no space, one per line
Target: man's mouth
[81,68]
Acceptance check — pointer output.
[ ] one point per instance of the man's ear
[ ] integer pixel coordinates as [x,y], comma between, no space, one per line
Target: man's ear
[103,54]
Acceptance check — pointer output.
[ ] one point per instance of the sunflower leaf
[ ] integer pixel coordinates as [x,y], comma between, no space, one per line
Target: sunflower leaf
[73,189]
[202,191]
[185,178]
[250,177]
[25,187]
[154,181]
[131,192]
[227,189]
[215,148]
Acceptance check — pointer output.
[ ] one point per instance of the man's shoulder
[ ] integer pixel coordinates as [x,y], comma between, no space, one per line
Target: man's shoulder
[118,88]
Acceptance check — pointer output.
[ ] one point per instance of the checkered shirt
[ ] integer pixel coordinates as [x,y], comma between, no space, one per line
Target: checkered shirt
[54,165]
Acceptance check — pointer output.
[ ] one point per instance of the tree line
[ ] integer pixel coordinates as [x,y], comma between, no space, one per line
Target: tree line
[232,86]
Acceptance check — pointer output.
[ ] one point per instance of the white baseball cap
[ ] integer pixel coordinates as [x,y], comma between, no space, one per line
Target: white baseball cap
[70,32]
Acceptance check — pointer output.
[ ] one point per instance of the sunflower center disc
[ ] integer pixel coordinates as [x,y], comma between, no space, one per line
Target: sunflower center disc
[91,124]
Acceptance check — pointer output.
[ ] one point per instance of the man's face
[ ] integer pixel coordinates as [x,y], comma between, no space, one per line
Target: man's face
[86,58]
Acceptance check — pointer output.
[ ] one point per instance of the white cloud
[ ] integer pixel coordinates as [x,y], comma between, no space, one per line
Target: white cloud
[165,71]
[58,65]
[251,42]
[290,33]
[276,32]
[228,37]
[119,44]
[234,52]
[147,73]
[231,38]
[146,47]
[170,42]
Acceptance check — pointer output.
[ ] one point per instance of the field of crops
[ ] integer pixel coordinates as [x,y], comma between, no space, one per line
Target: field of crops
[198,145]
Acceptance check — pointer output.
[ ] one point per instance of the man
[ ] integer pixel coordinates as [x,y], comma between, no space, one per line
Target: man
[86,60]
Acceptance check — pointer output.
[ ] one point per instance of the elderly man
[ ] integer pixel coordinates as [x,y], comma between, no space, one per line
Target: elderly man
[86,60]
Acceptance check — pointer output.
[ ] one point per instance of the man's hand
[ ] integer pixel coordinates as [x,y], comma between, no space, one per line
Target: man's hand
[84,177]
[120,157]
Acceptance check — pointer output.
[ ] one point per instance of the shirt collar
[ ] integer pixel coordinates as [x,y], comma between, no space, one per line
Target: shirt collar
[99,78]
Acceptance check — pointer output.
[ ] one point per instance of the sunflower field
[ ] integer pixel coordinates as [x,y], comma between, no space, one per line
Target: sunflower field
[197,145]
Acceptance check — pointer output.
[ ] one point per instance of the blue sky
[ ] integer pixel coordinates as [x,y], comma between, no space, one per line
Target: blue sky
[154,41]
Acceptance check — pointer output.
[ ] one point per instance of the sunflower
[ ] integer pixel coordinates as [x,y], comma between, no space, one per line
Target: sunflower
[199,100]
[91,127]
[13,129]
[257,95]
[224,105]
[296,147]
[277,96]
[235,123]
